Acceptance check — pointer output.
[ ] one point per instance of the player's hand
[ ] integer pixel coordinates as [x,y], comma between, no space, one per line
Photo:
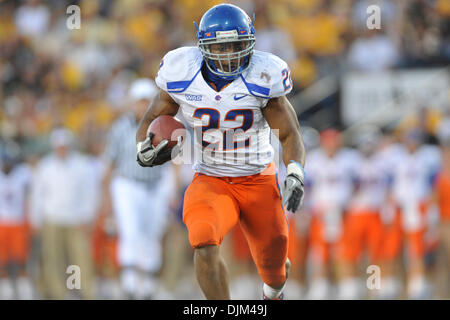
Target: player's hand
[293,190]
[149,155]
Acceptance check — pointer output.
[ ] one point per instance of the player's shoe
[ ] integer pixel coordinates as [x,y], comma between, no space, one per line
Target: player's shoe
[281,297]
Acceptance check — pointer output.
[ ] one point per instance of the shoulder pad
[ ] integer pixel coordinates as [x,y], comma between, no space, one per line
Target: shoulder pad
[268,76]
[178,69]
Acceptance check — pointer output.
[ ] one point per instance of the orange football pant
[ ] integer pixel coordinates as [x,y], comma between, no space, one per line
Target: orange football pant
[214,205]
[394,237]
[362,229]
[13,243]
[297,248]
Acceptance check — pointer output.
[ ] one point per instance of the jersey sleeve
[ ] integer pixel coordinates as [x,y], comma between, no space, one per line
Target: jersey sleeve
[280,74]
[269,77]
[177,68]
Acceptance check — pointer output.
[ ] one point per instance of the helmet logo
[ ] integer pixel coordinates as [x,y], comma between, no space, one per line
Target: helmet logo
[231,34]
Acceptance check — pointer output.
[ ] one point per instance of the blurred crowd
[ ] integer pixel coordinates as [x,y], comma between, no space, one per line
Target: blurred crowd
[63,91]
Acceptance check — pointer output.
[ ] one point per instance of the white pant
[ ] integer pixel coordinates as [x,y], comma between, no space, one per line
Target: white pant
[141,221]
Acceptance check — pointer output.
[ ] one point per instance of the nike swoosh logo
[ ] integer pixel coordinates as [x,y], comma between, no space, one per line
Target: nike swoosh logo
[239,98]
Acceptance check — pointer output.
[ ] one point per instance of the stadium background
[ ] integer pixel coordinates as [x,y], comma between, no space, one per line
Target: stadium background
[52,76]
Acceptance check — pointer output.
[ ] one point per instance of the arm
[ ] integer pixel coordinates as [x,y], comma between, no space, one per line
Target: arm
[163,104]
[280,115]
[147,154]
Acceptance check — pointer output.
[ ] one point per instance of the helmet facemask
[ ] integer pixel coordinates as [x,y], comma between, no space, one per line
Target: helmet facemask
[228,54]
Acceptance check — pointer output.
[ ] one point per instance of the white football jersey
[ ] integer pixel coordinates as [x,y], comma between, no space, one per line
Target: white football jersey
[390,156]
[13,191]
[412,184]
[372,183]
[414,172]
[330,179]
[330,184]
[232,137]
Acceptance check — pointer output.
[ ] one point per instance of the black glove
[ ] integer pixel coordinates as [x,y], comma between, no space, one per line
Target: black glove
[149,156]
[293,193]
[293,189]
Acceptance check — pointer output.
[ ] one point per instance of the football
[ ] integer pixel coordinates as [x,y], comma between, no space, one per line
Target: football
[166,127]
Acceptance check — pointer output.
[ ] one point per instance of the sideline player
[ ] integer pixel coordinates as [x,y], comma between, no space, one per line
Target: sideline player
[363,225]
[330,181]
[414,174]
[15,178]
[232,96]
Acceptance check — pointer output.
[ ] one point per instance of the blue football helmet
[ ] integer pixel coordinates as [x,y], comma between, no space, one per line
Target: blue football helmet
[230,31]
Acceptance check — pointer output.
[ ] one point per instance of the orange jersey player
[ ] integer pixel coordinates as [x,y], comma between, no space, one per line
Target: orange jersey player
[232,96]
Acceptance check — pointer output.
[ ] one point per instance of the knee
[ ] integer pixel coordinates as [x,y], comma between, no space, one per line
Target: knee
[203,234]
[274,256]
[281,241]
[272,261]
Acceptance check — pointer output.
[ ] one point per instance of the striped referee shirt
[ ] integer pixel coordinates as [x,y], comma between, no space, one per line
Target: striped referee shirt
[121,151]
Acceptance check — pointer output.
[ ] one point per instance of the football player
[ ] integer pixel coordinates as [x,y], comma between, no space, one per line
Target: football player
[363,224]
[330,182]
[15,179]
[232,96]
[414,175]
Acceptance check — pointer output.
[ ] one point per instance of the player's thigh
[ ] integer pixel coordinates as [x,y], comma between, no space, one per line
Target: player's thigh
[352,240]
[374,229]
[240,249]
[415,244]
[318,246]
[19,243]
[4,252]
[361,231]
[209,212]
[392,239]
